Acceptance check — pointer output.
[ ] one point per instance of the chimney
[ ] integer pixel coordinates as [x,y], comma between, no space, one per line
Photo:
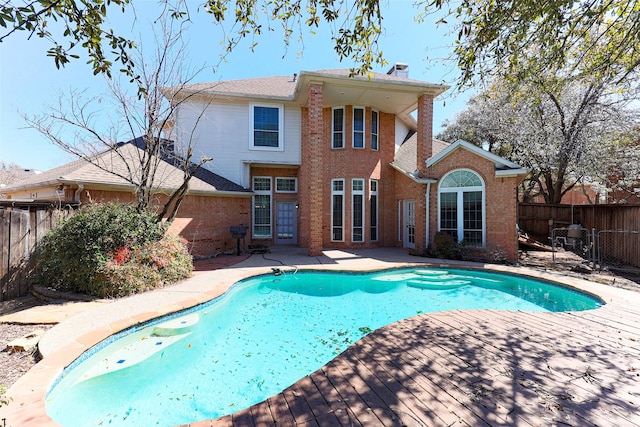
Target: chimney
[399,69]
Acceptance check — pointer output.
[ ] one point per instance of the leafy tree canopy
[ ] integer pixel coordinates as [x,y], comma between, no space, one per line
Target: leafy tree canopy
[491,35]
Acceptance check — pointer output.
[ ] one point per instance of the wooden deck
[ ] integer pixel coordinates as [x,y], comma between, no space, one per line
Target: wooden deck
[473,368]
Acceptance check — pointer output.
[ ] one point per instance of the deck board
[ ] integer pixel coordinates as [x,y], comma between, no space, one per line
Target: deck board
[474,368]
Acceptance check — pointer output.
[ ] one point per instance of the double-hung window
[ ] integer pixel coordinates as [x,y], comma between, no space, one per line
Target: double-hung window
[337,210]
[337,126]
[358,127]
[266,123]
[262,207]
[374,130]
[461,207]
[357,210]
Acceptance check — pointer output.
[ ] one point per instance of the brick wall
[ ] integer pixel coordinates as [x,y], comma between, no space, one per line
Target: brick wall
[500,201]
[203,221]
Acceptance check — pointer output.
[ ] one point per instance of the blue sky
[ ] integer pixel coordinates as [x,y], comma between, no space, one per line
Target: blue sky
[29,80]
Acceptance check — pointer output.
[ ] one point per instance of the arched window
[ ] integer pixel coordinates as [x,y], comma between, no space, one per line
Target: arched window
[461,210]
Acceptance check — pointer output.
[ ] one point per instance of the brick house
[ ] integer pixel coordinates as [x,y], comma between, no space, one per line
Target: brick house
[335,161]
[324,160]
[80,182]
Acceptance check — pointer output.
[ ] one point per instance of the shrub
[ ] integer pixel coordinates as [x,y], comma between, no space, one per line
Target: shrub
[72,256]
[145,267]
[446,247]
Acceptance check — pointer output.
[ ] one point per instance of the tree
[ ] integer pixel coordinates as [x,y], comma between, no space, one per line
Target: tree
[83,26]
[76,123]
[9,173]
[566,131]
[491,34]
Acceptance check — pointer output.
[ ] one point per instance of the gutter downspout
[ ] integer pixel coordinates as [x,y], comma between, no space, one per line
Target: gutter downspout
[76,196]
[426,226]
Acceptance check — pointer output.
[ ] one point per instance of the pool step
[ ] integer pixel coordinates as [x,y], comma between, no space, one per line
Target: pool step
[437,284]
[135,351]
[176,326]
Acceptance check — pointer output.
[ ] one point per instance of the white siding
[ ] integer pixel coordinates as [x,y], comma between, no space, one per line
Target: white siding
[223,134]
[401,133]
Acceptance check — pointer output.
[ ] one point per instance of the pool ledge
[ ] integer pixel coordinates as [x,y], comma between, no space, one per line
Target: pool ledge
[65,342]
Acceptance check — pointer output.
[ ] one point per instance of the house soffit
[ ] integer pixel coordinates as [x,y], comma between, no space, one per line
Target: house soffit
[395,97]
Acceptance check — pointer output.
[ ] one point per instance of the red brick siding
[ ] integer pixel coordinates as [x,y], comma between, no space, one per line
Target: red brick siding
[203,221]
[500,201]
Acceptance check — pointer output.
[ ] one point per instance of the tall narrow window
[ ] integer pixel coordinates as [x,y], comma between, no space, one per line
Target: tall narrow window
[358,127]
[461,207]
[338,128]
[266,123]
[337,210]
[373,210]
[357,210]
[262,207]
[374,130]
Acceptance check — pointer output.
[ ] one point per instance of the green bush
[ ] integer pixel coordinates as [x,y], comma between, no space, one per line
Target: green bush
[446,247]
[146,267]
[75,256]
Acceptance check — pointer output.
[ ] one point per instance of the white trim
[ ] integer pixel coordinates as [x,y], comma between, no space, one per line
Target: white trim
[377,216]
[333,193]
[353,127]
[295,180]
[460,205]
[377,133]
[253,206]
[280,108]
[499,161]
[333,128]
[361,193]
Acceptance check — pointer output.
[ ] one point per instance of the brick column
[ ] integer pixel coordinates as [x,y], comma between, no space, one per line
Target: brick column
[425,132]
[314,172]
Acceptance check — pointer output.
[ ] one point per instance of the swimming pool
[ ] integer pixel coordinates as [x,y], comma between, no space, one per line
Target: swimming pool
[265,334]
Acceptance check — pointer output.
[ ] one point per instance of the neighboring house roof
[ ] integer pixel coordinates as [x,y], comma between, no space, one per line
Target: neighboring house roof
[124,161]
[504,167]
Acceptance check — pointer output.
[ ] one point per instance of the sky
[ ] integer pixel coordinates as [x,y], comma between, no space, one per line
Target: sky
[30,82]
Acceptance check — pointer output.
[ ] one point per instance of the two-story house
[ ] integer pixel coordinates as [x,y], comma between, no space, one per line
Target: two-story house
[336,161]
[320,160]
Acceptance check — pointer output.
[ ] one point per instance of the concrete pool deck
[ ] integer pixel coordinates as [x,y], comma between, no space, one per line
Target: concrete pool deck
[480,367]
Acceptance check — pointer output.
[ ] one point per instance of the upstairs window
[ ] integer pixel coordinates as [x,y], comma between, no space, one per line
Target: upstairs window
[337,126]
[374,130]
[266,123]
[358,127]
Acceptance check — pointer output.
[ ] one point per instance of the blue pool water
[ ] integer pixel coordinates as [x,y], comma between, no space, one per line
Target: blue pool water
[264,335]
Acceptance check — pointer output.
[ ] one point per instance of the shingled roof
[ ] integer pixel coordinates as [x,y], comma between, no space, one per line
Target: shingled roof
[109,167]
[284,87]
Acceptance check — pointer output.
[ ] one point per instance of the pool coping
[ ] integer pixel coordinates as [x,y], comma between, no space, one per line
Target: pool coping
[27,406]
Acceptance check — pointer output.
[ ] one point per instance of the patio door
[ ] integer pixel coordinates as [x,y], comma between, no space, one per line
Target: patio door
[409,224]
[286,223]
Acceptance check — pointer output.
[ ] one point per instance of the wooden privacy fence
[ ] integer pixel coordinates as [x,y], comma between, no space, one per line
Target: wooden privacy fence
[620,225]
[20,231]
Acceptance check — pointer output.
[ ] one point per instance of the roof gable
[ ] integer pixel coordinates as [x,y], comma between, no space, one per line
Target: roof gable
[503,166]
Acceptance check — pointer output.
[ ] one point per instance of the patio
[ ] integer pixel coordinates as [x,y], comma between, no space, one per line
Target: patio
[475,368]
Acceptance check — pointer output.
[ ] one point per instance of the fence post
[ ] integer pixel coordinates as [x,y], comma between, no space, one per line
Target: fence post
[593,248]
